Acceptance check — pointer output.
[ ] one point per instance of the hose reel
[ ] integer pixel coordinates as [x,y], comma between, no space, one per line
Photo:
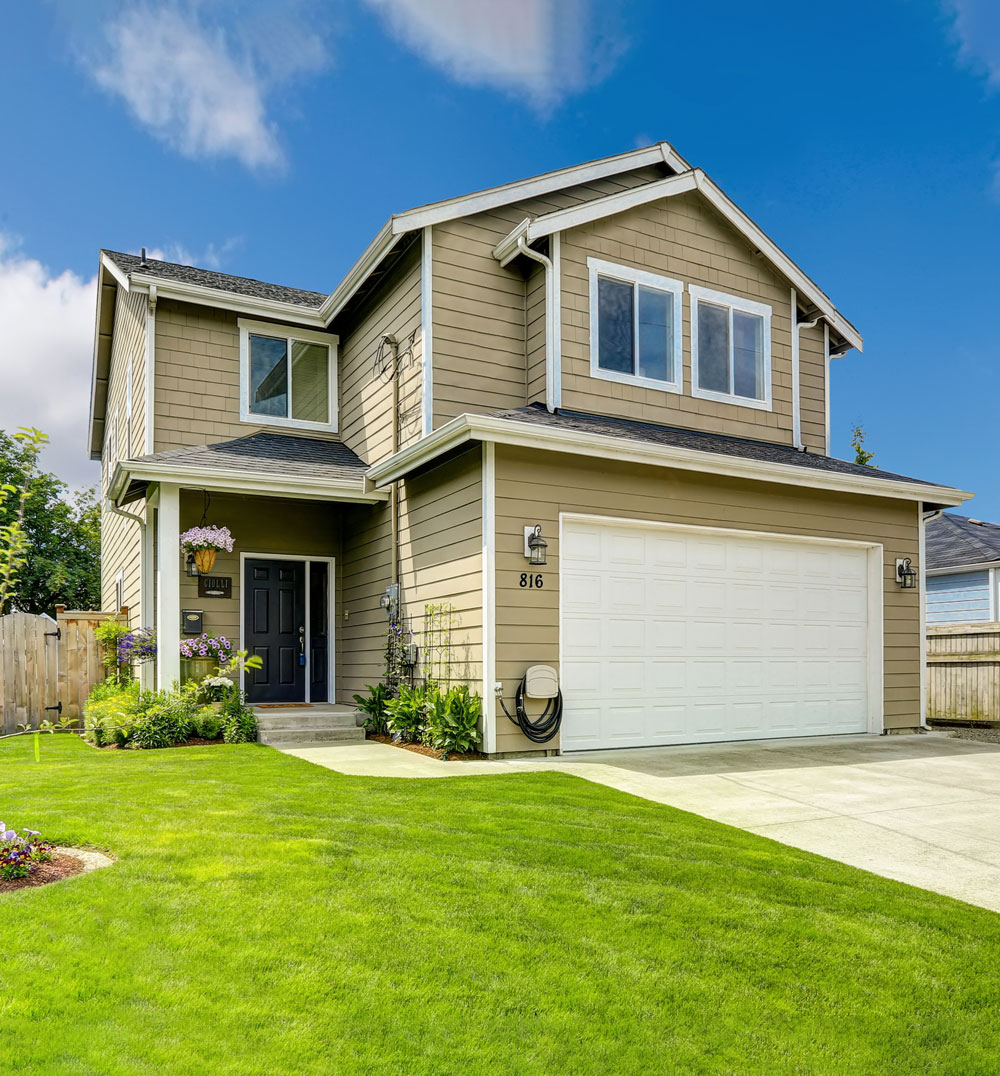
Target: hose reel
[539,682]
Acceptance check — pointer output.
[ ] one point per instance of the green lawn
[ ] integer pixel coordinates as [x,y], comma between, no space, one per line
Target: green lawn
[267,916]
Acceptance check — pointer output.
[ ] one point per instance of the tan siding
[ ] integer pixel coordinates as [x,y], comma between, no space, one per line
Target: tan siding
[440,563]
[812,380]
[121,540]
[683,238]
[533,489]
[535,334]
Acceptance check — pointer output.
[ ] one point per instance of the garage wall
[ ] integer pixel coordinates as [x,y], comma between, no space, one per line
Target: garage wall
[536,488]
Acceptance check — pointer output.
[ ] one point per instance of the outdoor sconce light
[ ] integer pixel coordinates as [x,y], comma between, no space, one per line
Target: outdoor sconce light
[191,567]
[535,545]
[906,577]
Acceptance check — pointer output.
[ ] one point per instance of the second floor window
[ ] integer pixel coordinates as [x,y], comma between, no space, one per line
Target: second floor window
[635,326]
[730,348]
[287,380]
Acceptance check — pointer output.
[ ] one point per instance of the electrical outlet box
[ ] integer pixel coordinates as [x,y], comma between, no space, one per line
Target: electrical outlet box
[411,654]
[541,682]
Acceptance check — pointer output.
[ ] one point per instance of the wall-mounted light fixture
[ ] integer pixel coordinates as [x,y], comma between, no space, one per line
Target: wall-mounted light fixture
[191,567]
[906,576]
[535,545]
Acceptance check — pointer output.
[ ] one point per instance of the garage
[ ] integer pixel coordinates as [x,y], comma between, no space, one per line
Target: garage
[672,635]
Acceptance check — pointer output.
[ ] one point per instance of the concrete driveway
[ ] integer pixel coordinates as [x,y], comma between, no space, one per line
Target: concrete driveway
[920,809]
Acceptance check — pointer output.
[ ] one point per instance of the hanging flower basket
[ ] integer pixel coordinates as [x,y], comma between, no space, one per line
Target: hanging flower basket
[204,542]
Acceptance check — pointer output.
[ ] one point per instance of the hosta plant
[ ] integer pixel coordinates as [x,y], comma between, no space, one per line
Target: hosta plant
[20,854]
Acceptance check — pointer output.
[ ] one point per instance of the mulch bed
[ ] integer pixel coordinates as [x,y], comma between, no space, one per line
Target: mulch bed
[420,749]
[55,870]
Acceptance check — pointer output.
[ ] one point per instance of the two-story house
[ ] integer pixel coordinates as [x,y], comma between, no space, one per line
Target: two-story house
[612,357]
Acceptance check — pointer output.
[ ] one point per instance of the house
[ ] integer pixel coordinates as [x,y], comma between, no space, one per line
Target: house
[612,358]
[963,570]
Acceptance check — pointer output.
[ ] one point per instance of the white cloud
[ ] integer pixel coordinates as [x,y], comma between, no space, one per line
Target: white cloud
[201,87]
[977,27]
[542,50]
[46,342]
[212,256]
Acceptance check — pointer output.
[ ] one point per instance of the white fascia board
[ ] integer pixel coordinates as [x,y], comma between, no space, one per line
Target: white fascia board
[807,287]
[223,480]
[494,197]
[576,442]
[607,206]
[120,277]
[376,250]
[963,569]
[227,300]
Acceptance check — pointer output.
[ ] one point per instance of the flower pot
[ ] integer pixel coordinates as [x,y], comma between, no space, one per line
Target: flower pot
[205,560]
[196,668]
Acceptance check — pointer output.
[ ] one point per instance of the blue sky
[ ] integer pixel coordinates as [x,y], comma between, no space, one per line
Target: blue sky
[273,141]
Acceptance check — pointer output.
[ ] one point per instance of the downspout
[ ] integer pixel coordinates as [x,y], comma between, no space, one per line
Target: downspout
[925,518]
[797,327]
[132,516]
[550,320]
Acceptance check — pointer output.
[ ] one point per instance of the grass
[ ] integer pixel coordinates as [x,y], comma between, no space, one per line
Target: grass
[267,916]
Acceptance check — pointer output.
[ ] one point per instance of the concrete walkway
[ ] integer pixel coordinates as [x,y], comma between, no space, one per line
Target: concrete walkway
[920,809]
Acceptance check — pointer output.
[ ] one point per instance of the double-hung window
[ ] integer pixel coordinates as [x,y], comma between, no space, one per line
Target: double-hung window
[288,377]
[730,348]
[635,326]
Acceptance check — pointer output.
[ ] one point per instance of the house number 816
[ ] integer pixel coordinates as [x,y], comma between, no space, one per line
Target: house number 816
[533,581]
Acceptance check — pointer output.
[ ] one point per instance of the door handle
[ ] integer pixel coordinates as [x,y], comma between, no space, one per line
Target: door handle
[302,640]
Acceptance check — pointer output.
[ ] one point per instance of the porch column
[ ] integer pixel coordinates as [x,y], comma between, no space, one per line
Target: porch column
[168,586]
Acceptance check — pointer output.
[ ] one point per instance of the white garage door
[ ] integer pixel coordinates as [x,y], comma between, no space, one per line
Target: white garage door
[673,636]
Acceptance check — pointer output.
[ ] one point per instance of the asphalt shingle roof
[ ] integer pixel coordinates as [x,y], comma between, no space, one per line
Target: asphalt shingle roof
[651,433]
[207,278]
[270,454]
[954,541]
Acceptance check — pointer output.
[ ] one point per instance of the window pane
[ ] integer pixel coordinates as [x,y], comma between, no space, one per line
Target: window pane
[614,326]
[748,355]
[656,334]
[713,347]
[268,377]
[310,382]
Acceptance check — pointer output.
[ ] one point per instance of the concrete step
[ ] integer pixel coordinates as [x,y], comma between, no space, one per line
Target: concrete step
[305,719]
[285,736]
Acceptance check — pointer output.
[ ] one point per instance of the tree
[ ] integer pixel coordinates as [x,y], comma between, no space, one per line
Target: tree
[51,539]
[861,455]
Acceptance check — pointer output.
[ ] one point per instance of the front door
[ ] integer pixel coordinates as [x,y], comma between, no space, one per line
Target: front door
[275,629]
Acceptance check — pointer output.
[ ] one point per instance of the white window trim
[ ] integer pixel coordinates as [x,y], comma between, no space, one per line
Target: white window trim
[628,275]
[288,334]
[746,306]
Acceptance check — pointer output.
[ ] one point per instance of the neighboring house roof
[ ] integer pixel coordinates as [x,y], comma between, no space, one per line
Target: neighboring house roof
[644,442]
[260,461]
[956,541]
[131,265]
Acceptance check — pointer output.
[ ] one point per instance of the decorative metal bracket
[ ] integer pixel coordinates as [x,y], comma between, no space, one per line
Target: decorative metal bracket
[57,634]
[57,708]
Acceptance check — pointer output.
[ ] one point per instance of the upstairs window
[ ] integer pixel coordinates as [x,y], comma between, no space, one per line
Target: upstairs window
[730,348]
[288,377]
[635,326]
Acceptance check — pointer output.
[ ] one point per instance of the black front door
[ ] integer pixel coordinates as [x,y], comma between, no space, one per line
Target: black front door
[275,629]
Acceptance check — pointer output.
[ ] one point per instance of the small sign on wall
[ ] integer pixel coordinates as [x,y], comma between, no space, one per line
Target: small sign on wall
[215,586]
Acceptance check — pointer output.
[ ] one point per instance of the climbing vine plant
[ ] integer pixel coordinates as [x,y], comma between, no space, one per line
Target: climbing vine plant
[439,624]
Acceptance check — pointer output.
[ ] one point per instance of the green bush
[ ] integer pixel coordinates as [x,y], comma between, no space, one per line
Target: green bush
[239,722]
[109,712]
[373,704]
[452,719]
[207,723]
[406,716]
[163,719]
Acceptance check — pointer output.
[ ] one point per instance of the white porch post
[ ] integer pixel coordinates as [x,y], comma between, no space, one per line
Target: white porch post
[168,586]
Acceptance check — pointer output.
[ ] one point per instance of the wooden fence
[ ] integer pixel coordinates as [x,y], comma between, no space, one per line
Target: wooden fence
[47,667]
[963,672]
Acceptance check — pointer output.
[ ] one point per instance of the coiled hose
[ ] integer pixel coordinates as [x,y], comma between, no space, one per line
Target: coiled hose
[544,727]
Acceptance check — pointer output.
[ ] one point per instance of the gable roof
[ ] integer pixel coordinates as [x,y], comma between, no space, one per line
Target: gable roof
[955,541]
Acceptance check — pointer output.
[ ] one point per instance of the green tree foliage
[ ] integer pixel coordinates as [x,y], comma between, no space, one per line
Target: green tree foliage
[50,540]
[861,454]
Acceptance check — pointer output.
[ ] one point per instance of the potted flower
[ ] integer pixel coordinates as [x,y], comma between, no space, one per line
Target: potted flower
[204,542]
[201,654]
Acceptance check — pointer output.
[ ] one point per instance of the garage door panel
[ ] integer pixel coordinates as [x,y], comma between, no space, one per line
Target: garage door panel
[683,637]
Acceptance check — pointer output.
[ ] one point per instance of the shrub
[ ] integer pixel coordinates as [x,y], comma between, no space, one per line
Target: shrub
[207,723]
[374,705]
[217,689]
[163,718]
[20,856]
[239,722]
[109,712]
[406,716]
[452,719]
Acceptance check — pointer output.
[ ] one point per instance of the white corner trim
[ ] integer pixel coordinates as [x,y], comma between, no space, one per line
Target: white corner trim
[555,253]
[427,330]
[922,600]
[796,376]
[288,334]
[597,267]
[168,586]
[748,306]
[150,386]
[489,580]
[826,383]
[876,639]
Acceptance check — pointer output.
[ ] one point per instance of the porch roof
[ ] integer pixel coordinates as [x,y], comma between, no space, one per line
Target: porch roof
[265,463]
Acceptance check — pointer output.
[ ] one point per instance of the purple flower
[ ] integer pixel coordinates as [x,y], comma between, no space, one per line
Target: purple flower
[210,537]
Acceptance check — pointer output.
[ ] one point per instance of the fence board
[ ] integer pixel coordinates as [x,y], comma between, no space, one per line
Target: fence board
[963,672]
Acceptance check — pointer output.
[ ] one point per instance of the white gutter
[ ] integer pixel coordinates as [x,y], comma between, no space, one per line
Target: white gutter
[467,428]
[551,326]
